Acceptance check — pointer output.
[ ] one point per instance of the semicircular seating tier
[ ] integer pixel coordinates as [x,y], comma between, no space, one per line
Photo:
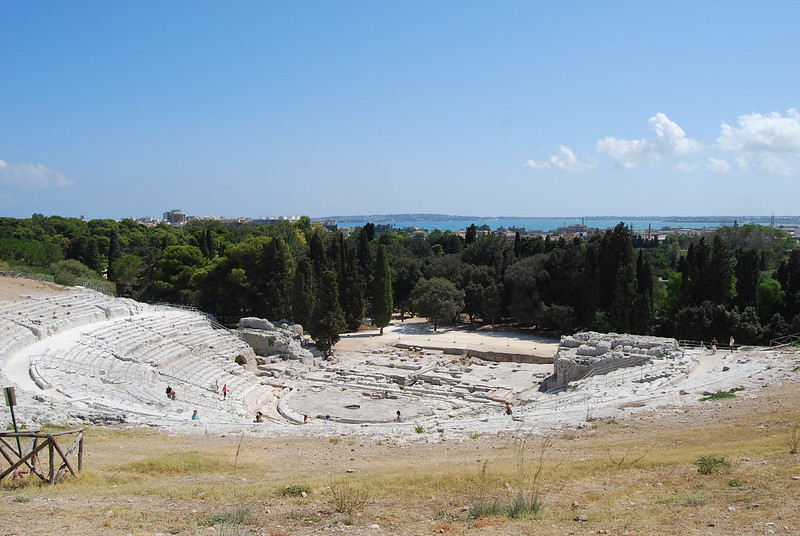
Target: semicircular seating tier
[112,354]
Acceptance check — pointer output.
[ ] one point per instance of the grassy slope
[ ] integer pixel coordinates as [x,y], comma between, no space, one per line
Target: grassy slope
[634,476]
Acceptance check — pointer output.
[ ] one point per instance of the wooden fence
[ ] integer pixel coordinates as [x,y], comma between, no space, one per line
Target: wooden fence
[40,454]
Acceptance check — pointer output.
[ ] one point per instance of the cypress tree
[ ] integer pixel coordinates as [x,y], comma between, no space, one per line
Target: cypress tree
[643,306]
[316,252]
[472,234]
[276,276]
[210,247]
[114,252]
[303,292]
[382,300]
[746,278]
[328,321]
[93,255]
[352,290]
[720,273]
[369,230]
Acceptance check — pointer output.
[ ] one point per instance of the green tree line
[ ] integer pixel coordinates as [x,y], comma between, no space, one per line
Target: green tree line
[742,281]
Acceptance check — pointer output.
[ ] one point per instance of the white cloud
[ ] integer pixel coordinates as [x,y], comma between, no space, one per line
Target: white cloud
[31,176]
[565,159]
[773,133]
[670,139]
[766,163]
[766,143]
[715,165]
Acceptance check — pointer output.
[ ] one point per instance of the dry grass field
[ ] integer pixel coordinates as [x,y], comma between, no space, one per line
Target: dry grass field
[637,476]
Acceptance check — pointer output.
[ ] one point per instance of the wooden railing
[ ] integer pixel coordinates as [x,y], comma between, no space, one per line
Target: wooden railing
[41,448]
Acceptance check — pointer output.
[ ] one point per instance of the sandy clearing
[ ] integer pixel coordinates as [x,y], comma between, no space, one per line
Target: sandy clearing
[419,332]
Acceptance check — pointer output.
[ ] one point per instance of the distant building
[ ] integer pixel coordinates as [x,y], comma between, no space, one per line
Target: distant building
[330,225]
[174,217]
[274,220]
[574,230]
[147,220]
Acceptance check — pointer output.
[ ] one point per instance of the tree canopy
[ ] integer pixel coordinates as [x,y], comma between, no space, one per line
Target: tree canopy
[738,280]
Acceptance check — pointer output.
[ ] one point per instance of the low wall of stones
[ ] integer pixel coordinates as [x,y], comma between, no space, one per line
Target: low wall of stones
[499,357]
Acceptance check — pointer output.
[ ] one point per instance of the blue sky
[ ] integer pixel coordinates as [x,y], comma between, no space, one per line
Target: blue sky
[516,108]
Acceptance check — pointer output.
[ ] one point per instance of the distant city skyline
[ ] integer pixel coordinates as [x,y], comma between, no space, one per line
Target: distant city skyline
[518,108]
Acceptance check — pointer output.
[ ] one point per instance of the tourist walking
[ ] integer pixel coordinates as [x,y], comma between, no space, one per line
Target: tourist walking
[732,343]
[714,344]
[508,408]
[195,416]
[224,391]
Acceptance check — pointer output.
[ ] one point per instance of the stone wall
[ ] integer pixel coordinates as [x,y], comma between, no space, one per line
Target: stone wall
[270,340]
[497,357]
[600,353]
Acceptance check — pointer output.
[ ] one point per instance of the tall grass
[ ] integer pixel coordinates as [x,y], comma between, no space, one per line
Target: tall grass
[347,497]
[528,478]
[182,463]
[792,437]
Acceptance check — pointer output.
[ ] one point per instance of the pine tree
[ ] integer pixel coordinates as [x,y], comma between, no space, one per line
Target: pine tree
[382,300]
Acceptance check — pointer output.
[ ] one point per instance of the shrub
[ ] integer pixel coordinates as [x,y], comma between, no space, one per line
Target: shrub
[722,395]
[483,507]
[347,498]
[419,429]
[295,489]
[236,517]
[708,465]
[524,504]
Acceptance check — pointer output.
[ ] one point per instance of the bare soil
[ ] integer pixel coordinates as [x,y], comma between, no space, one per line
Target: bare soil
[15,288]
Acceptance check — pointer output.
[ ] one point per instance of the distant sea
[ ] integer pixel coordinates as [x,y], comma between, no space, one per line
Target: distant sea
[550,224]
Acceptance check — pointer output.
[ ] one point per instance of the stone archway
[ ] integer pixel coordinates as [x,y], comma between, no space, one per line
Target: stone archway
[247,364]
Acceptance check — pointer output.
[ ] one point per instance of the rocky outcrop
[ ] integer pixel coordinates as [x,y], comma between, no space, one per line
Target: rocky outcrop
[280,340]
[599,353]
